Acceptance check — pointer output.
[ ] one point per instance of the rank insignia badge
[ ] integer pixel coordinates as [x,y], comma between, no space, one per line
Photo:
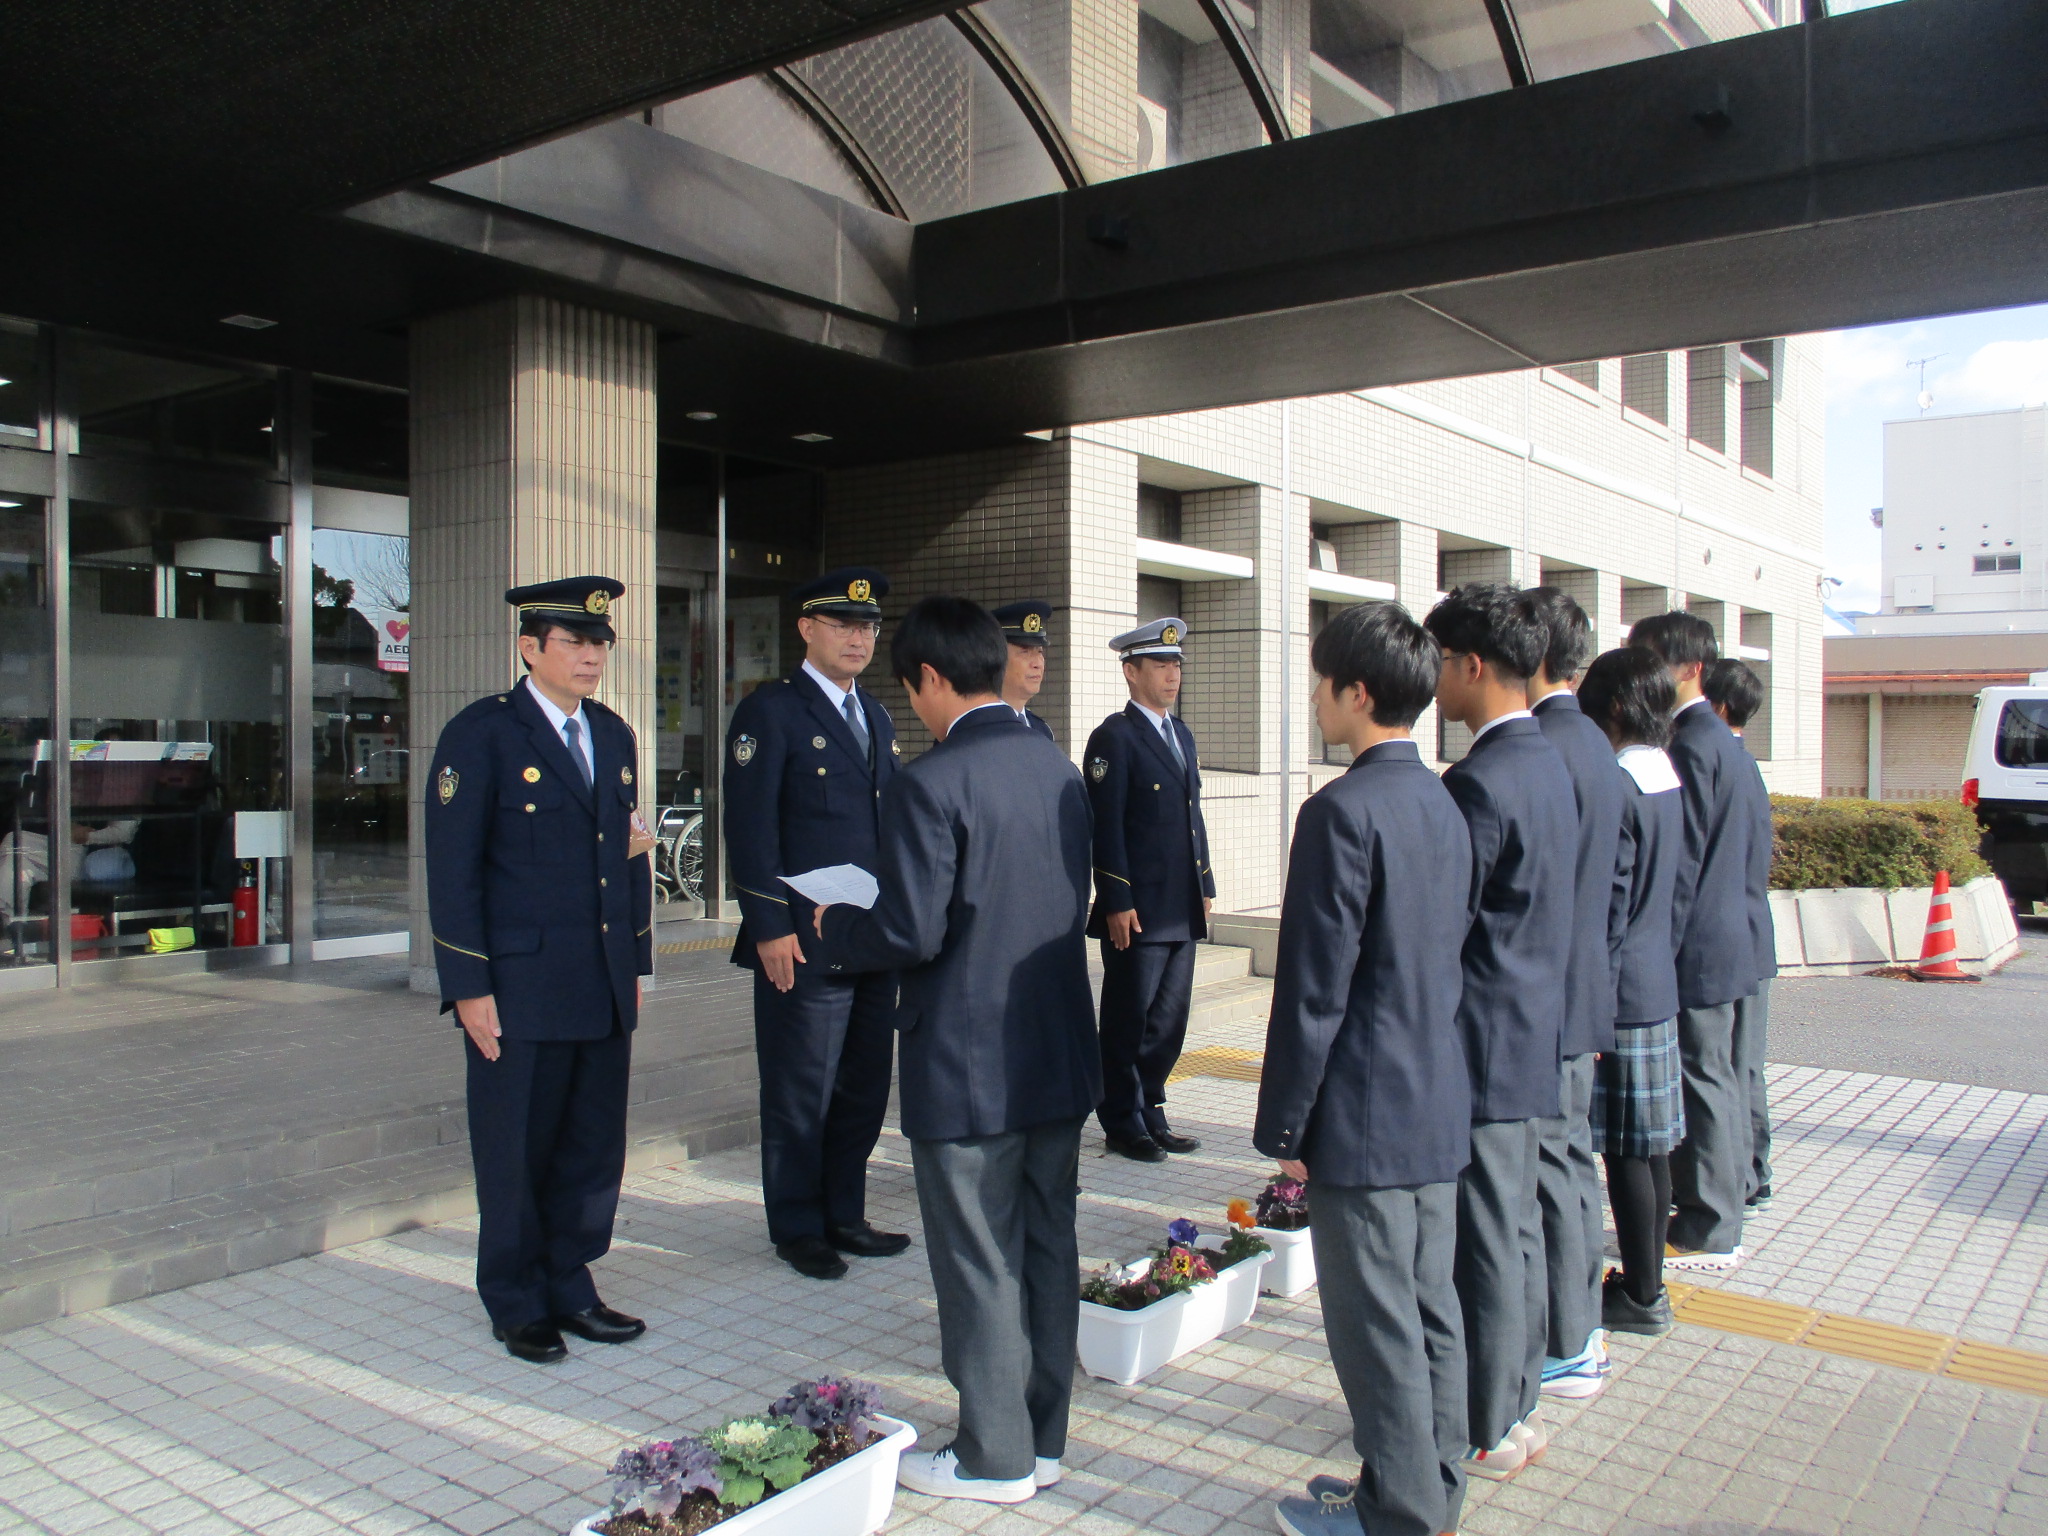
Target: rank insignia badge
[447,784]
[625,775]
[1098,768]
[743,748]
[818,742]
[531,775]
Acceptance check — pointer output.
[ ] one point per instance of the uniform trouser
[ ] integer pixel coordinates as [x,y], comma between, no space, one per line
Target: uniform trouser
[999,1231]
[1711,1167]
[547,1134]
[1752,1027]
[1499,1276]
[1145,994]
[825,1048]
[1574,1239]
[1390,1313]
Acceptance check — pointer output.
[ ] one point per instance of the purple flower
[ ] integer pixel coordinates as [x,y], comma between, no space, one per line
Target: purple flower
[1182,1231]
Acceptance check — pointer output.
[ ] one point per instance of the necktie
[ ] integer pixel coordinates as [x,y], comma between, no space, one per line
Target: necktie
[1173,742]
[858,720]
[573,729]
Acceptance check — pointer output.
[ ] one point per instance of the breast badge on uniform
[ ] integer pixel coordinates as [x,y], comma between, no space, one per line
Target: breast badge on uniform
[447,784]
[818,742]
[896,747]
[625,775]
[531,775]
[1098,768]
[743,749]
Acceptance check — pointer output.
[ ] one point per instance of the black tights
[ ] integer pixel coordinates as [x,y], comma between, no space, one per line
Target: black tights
[1639,1193]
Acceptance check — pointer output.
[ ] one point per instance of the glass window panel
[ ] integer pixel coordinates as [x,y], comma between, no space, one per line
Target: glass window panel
[177,666]
[361,436]
[941,127]
[1566,37]
[756,121]
[361,732]
[21,385]
[24,722]
[1373,58]
[1191,101]
[138,403]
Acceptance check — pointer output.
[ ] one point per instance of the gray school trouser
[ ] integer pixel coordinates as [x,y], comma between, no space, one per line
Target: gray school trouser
[999,1233]
[1500,1276]
[1390,1312]
[1710,1169]
[1574,1238]
[1752,1029]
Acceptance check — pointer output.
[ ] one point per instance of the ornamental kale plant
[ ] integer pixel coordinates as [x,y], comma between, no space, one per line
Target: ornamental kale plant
[755,1453]
[654,1479]
[1283,1206]
[829,1403]
[1173,1269]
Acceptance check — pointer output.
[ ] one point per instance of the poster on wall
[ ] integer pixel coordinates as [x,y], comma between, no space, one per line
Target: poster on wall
[394,639]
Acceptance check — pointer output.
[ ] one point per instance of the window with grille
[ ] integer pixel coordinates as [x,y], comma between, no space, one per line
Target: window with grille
[1646,385]
[1981,564]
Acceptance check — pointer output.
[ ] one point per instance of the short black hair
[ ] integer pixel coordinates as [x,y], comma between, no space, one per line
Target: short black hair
[1629,692]
[1493,621]
[957,638]
[1735,688]
[1571,632]
[1680,638]
[1379,645]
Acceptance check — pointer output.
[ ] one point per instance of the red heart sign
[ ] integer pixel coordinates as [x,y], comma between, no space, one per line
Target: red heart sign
[397,630]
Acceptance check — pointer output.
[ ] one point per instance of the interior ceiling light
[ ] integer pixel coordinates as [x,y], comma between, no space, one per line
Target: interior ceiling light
[813,437]
[702,415]
[248,322]
[9,503]
[5,382]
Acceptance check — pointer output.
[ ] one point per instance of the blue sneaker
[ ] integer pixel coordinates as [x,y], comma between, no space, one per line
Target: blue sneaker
[1324,1511]
[1584,1375]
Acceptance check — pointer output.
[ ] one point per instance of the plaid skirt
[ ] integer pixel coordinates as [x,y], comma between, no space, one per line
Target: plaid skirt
[1639,1093]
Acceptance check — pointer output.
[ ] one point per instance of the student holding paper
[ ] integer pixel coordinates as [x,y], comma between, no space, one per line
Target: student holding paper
[806,761]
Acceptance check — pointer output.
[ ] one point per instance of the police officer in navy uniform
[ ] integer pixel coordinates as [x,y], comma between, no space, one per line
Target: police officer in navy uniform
[541,902]
[1153,890]
[1024,626]
[806,760]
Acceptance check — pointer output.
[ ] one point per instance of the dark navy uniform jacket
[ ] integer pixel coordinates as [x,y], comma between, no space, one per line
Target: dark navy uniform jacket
[1038,725]
[530,894]
[1365,1077]
[1596,790]
[1151,846]
[1517,799]
[1648,853]
[984,876]
[1712,922]
[799,795]
[1762,840]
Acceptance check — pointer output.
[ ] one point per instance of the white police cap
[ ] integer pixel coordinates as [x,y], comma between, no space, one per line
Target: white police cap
[1162,637]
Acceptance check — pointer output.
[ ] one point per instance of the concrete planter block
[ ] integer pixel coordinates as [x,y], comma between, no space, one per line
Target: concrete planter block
[1908,910]
[1848,927]
[1785,929]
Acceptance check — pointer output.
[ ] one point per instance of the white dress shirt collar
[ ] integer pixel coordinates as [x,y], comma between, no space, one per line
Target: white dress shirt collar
[558,720]
[835,696]
[1157,717]
[1688,704]
[1513,714]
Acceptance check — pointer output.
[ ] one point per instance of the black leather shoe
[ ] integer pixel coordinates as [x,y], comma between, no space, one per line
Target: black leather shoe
[811,1256]
[1139,1149]
[601,1325]
[537,1343]
[864,1242]
[1622,1313]
[1164,1137]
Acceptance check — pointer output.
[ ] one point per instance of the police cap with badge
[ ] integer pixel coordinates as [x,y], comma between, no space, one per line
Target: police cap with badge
[582,604]
[1024,621]
[1162,637]
[851,592]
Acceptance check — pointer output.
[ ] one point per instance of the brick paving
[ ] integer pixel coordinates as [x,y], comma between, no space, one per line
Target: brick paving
[358,1390]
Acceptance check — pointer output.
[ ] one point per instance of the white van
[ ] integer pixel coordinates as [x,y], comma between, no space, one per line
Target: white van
[2005,777]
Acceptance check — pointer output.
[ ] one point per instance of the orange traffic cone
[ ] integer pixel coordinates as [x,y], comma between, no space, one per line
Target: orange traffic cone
[1938,950]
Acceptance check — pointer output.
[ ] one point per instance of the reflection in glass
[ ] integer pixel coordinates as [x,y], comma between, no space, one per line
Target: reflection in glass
[1567,37]
[136,402]
[361,436]
[177,665]
[362,624]
[939,125]
[1374,58]
[757,121]
[24,721]
[20,385]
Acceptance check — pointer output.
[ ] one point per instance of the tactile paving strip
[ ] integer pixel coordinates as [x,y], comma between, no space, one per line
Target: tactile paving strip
[690,946]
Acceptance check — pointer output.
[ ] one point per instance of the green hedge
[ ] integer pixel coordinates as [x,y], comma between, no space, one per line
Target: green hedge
[1880,844]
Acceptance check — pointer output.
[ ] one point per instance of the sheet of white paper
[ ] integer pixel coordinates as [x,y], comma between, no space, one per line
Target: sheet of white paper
[847,883]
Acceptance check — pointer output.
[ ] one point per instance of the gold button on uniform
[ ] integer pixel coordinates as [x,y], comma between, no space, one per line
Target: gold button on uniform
[600,837]
[529,808]
[602,881]
[604,927]
[821,773]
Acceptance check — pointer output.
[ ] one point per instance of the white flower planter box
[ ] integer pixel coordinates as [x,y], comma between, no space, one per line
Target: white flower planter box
[1293,1269]
[1126,1347]
[850,1498]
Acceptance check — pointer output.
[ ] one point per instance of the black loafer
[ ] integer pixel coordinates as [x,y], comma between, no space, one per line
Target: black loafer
[1622,1313]
[601,1325]
[1167,1139]
[811,1256]
[1139,1149]
[536,1343]
[865,1242]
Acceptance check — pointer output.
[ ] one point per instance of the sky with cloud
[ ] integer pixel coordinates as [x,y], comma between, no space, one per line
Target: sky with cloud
[1991,361]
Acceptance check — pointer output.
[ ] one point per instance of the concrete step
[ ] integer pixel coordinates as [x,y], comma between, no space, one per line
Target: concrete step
[1224,1008]
[1221,962]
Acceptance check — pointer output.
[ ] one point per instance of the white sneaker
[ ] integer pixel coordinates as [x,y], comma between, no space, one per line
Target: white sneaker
[938,1474]
[1697,1262]
[1048,1471]
[1533,1435]
[1500,1463]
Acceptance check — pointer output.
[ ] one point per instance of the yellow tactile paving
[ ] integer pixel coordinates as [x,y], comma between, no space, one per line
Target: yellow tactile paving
[1219,1061]
[688,946]
[1734,1313]
[1994,1365]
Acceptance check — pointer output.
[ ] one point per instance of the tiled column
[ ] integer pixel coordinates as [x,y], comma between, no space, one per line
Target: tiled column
[1599,593]
[1641,602]
[533,450]
[1725,617]
[1406,555]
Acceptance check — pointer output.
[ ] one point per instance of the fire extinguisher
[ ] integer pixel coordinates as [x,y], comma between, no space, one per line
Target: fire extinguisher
[246,917]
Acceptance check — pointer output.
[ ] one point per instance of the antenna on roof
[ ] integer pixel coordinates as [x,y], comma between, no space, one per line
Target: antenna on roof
[1925,399]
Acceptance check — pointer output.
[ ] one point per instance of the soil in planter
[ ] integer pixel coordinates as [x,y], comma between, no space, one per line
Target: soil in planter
[700,1511]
